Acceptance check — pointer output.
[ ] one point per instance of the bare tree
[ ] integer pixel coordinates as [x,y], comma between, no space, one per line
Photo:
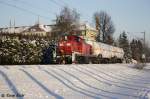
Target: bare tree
[105,27]
[66,21]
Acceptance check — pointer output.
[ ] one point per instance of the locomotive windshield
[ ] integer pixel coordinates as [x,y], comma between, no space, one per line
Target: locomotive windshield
[77,39]
[64,38]
[74,38]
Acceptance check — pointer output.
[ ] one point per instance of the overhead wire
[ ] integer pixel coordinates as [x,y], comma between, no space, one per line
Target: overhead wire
[133,35]
[64,3]
[24,10]
[33,6]
[56,3]
[61,3]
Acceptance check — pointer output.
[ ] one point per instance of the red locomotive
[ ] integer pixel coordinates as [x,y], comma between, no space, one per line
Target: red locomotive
[69,46]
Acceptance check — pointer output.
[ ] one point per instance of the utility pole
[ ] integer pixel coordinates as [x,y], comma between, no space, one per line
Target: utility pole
[144,45]
[9,30]
[14,25]
[85,29]
[144,38]
[38,20]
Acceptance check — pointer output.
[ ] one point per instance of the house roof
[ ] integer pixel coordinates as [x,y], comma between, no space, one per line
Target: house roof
[38,28]
[85,25]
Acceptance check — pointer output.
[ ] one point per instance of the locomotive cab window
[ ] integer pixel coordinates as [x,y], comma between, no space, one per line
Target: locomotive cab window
[77,39]
[65,38]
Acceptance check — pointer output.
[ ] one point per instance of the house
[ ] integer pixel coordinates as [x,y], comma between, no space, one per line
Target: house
[87,32]
[35,30]
[12,30]
[38,30]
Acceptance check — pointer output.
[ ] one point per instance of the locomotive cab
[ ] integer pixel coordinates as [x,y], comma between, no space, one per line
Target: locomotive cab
[69,46]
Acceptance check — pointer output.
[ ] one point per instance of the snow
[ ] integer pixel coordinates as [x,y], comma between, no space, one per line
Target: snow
[86,81]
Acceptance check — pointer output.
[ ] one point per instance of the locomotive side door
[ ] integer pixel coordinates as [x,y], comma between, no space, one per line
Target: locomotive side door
[78,44]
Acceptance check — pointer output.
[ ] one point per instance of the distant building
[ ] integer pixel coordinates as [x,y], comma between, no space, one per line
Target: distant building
[30,32]
[87,32]
[12,30]
[84,30]
[38,29]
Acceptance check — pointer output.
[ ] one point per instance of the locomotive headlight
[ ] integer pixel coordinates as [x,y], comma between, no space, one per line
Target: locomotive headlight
[60,44]
[68,44]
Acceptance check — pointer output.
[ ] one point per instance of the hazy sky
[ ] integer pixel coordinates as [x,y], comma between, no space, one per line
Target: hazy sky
[130,15]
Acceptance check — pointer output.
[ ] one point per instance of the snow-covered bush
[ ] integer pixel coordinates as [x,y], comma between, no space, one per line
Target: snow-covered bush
[22,51]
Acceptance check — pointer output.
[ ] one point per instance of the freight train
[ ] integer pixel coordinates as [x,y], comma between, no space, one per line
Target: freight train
[74,49]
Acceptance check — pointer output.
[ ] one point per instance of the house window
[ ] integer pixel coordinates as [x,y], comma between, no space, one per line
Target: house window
[33,30]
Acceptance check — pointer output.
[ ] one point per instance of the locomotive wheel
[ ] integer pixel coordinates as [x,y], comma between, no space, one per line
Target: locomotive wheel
[82,60]
[119,60]
[99,59]
[113,59]
[92,60]
[68,60]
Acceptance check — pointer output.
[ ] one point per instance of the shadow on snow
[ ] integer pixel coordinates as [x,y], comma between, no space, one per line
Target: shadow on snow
[10,84]
[42,86]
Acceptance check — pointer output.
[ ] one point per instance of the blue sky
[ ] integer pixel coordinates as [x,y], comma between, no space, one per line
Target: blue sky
[130,15]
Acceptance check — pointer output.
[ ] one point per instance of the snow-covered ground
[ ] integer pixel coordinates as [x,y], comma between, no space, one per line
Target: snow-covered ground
[88,81]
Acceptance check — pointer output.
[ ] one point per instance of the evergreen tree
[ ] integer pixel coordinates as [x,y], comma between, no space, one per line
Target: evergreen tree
[124,43]
[137,49]
[22,51]
[147,52]
[9,51]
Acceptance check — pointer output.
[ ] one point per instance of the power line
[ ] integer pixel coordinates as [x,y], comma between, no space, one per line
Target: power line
[133,36]
[64,3]
[23,9]
[33,6]
[56,3]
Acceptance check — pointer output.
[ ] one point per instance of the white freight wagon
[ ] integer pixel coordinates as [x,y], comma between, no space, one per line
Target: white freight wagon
[105,52]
